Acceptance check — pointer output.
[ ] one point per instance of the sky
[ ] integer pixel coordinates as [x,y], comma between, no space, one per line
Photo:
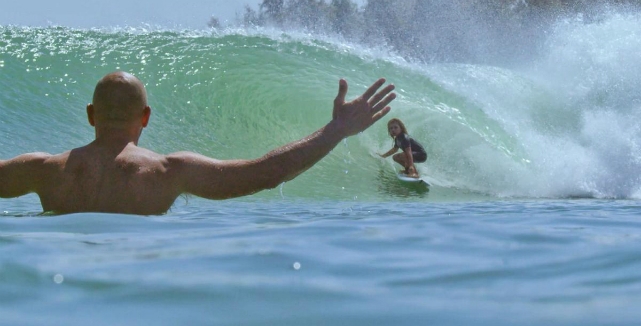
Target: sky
[111,13]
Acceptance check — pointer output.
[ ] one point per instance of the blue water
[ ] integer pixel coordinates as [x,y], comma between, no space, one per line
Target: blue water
[532,219]
[292,262]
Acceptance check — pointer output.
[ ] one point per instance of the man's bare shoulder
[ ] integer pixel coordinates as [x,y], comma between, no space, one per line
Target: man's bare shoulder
[59,159]
[135,152]
[94,156]
[29,158]
[22,174]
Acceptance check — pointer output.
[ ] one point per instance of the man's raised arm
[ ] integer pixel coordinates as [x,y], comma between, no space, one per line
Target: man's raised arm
[20,175]
[215,179]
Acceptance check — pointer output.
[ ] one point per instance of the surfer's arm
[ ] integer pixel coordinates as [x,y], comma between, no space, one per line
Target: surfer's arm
[390,152]
[21,174]
[216,179]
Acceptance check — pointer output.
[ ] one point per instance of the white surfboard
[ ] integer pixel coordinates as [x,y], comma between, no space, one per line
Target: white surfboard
[403,177]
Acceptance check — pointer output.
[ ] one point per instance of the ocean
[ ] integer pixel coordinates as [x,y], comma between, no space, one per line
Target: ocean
[532,217]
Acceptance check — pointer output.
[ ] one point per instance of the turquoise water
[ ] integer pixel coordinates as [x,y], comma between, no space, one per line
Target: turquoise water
[532,217]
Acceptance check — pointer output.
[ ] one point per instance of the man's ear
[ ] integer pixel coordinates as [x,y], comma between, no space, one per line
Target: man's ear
[90,114]
[145,116]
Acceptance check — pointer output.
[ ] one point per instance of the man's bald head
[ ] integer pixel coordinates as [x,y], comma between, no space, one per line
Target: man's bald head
[119,98]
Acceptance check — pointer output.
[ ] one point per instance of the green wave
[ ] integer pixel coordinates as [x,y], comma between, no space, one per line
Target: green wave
[241,93]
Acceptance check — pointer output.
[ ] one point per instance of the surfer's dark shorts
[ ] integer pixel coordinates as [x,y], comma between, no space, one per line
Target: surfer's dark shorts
[418,157]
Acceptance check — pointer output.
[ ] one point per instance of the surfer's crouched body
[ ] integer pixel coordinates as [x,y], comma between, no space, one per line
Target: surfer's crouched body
[413,151]
[112,174]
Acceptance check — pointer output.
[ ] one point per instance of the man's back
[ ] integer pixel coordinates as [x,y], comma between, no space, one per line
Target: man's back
[92,178]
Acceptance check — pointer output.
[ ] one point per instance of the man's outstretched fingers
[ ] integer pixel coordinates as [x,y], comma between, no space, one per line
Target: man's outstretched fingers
[340,98]
[382,104]
[372,89]
[377,98]
[380,114]
[342,91]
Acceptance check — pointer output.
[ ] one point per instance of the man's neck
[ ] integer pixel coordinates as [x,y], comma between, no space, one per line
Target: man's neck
[116,137]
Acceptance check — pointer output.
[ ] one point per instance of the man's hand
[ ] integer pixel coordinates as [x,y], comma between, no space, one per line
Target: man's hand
[357,115]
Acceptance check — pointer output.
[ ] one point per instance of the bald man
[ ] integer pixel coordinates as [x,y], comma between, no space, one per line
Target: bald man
[112,174]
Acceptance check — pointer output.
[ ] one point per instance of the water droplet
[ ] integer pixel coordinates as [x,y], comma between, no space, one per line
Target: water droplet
[58,278]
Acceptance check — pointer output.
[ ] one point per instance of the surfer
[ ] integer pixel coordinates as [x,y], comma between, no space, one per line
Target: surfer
[113,174]
[413,152]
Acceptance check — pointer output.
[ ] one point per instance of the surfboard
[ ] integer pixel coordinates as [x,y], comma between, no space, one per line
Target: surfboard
[404,178]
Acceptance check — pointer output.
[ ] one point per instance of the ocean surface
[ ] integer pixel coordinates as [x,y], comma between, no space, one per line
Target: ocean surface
[533,217]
